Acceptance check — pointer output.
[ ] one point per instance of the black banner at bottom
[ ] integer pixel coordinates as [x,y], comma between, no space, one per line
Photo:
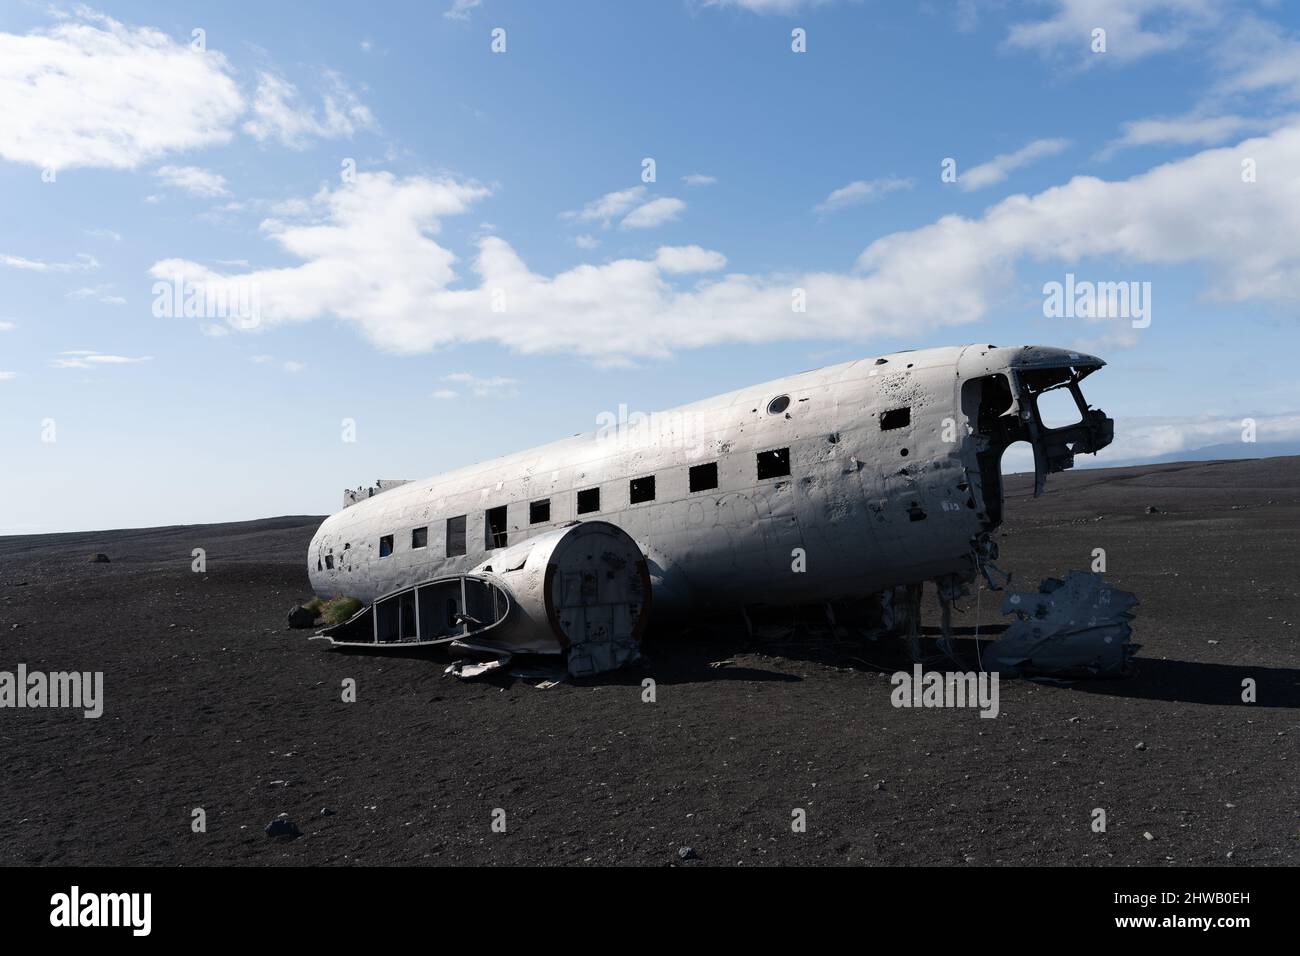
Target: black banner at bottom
[301,905]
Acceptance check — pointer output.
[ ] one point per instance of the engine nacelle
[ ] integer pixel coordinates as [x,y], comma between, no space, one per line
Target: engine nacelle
[584,589]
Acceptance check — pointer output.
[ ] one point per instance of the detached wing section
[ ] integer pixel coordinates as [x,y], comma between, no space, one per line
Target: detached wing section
[583,590]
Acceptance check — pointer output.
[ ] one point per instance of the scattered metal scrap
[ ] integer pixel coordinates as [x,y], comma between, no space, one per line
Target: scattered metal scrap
[1077,627]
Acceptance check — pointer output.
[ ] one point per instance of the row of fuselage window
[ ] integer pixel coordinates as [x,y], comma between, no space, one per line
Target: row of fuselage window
[770,464]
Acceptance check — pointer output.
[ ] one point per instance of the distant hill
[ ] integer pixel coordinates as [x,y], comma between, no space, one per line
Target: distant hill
[1229,451]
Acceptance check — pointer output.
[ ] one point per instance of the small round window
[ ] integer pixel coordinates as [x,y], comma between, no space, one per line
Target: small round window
[779,404]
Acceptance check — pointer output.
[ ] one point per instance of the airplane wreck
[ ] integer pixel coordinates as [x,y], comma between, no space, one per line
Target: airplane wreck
[872,477]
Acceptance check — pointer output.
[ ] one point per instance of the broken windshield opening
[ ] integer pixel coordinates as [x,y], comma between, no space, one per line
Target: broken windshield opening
[1057,408]
[1041,406]
[1055,447]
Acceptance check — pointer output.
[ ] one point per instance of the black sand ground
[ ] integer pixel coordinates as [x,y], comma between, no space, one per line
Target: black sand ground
[212,703]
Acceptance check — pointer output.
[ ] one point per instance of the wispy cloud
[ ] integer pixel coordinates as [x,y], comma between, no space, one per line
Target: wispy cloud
[608,207]
[699,179]
[85,358]
[654,213]
[461,9]
[1184,131]
[768,6]
[495,387]
[278,112]
[860,191]
[999,167]
[1134,28]
[85,263]
[100,293]
[194,180]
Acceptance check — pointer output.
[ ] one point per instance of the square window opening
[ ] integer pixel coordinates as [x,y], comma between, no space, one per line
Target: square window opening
[419,538]
[704,477]
[385,545]
[774,463]
[588,501]
[539,512]
[641,489]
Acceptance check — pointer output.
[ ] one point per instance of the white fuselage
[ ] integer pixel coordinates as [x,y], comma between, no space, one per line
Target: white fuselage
[874,496]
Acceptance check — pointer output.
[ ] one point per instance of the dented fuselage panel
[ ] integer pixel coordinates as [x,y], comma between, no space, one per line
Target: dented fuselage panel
[831,484]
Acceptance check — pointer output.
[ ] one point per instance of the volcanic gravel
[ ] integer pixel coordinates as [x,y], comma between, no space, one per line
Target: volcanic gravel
[212,703]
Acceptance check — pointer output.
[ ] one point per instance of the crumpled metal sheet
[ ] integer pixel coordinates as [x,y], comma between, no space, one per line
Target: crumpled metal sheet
[595,657]
[476,660]
[1077,627]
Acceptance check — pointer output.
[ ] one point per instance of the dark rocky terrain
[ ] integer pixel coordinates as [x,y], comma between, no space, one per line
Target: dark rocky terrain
[213,703]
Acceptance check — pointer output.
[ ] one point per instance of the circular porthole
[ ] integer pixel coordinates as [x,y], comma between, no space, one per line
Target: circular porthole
[779,404]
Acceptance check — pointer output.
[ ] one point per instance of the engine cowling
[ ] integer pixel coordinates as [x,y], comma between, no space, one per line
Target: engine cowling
[584,589]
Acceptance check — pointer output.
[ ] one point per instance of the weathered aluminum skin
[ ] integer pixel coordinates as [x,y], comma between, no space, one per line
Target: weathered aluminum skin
[867,508]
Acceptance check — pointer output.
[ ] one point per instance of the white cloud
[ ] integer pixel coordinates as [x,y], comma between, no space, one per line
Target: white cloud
[1183,131]
[1134,28]
[461,9]
[86,358]
[372,260]
[194,180]
[260,359]
[105,234]
[967,16]
[6,376]
[8,326]
[214,331]
[1258,57]
[370,254]
[680,259]
[1257,71]
[496,387]
[100,293]
[860,191]
[999,167]
[445,393]
[654,213]
[92,92]
[293,366]
[278,114]
[699,179]
[768,6]
[1149,437]
[85,263]
[607,207]
[585,241]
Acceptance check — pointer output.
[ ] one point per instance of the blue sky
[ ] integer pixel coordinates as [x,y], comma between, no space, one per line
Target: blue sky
[458,250]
